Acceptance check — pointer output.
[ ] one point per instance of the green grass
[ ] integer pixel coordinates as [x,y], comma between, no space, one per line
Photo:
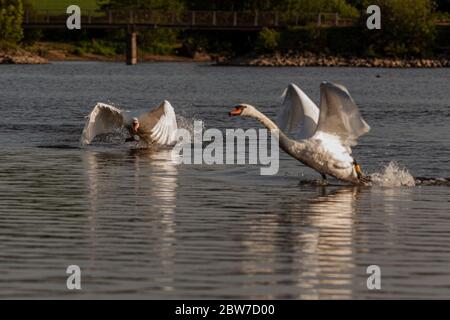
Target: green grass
[61,5]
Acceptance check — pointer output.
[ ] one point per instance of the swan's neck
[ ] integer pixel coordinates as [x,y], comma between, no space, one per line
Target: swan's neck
[285,142]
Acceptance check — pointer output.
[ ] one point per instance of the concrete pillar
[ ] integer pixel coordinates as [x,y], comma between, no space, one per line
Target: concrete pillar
[131,48]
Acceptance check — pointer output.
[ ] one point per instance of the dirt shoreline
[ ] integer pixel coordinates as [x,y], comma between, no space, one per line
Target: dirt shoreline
[25,57]
[47,52]
[58,55]
[20,56]
[43,54]
[314,60]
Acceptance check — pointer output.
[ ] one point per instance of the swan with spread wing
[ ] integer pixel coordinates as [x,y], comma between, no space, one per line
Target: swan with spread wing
[157,126]
[326,134]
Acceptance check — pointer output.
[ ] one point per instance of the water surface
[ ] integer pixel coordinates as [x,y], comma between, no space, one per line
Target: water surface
[141,227]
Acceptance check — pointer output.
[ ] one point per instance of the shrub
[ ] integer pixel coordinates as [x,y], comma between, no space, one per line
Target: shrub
[267,40]
[158,41]
[11,15]
[335,40]
[100,47]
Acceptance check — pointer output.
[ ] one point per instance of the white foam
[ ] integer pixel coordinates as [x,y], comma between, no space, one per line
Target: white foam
[393,176]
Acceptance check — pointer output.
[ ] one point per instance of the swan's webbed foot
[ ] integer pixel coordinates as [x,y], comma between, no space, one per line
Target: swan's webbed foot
[362,178]
[365,180]
[358,169]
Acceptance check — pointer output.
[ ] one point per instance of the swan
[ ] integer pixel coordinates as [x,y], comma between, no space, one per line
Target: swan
[326,136]
[157,126]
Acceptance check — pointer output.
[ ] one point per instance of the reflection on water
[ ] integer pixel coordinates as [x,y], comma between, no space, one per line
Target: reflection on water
[331,233]
[153,177]
[323,247]
[140,226]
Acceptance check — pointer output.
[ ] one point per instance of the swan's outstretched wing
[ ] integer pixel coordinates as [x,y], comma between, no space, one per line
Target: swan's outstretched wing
[339,114]
[103,119]
[298,111]
[160,124]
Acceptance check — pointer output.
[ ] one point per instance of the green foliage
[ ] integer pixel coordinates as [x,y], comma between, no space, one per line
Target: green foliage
[11,16]
[169,5]
[285,6]
[332,40]
[443,36]
[316,6]
[100,47]
[158,41]
[228,43]
[61,5]
[267,40]
[407,28]
[230,5]
[30,36]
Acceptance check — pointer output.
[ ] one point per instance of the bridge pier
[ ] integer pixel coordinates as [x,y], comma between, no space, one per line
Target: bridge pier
[131,50]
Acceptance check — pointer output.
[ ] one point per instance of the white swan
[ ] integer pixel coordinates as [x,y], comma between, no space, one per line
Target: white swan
[157,126]
[328,147]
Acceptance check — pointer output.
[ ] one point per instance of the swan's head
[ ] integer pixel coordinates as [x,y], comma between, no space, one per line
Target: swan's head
[243,110]
[135,125]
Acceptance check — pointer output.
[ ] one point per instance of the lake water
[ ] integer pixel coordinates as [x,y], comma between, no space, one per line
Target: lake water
[140,226]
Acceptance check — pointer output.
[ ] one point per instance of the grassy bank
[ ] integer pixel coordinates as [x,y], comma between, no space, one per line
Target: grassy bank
[99,51]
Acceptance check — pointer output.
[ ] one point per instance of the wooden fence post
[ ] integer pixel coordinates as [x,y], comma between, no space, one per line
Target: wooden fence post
[131,48]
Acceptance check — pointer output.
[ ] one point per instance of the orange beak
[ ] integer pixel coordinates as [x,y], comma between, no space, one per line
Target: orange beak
[235,112]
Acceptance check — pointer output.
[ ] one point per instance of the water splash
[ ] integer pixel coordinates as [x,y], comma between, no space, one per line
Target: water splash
[188,124]
[393,176]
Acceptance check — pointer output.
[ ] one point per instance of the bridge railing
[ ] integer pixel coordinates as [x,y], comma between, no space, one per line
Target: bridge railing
[189,18]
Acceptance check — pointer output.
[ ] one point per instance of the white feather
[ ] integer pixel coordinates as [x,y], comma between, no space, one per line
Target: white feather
[298,112]
[103,119]
[165,129]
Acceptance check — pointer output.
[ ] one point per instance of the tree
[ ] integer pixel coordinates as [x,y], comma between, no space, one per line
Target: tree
[316,6]
[11,16]
[169,5]
[157,41]
[267,40]
[407,28]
